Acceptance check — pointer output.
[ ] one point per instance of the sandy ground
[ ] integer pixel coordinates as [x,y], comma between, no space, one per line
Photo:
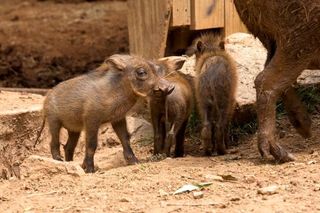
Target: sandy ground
[144,187]
[51,186]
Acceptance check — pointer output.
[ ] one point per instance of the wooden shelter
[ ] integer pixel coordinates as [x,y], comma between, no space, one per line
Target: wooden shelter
[166,27]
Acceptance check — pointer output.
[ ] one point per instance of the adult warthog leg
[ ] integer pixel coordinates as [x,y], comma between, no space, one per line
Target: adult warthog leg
[273,81]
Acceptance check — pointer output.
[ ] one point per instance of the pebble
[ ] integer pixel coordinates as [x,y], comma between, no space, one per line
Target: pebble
[163,193]
[317,188]
[269,190]
[124,200]
[213,177]
[197,195]
[311,162]
[235,199]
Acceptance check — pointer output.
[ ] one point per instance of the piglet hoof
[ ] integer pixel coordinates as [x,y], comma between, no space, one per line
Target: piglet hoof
[57,157]
[178,154]
[304,131]
[221,151]
[87,168]
[131,160]
[280,154]
[208,152]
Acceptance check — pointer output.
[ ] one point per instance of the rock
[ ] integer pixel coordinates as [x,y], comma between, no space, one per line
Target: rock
[163,193]
[197,195]
[42,167]
[235,199]
[113,159]
[139,128]
[228,178]
[28,209]
[249,55]
[213,177]
[250,179]
[269,190]
[294,182]
[124,200]
[311,162]
[317,188]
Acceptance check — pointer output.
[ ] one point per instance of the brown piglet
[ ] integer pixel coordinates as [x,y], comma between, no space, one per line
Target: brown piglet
[103,95]
[216,83]
[170,109]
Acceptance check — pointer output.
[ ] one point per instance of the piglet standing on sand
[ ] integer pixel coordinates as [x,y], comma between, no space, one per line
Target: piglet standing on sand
[103,95]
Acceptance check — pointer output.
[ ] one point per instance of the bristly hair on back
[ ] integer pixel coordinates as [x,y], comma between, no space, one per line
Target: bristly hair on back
[206,42]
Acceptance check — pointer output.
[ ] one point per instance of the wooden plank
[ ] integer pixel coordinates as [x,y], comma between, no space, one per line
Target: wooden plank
[233,23]
[148,25]
[181,13]
[201,20]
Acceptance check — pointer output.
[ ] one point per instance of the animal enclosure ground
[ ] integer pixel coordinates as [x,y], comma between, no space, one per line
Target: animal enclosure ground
[45,42]
[32,54]
[144,187]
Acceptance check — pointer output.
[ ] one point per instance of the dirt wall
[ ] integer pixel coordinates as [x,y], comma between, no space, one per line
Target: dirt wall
[45,42]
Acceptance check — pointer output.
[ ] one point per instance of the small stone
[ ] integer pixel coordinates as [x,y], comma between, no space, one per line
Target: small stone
[163,193]
[124,200]
[28,209]
[317,188]
[250,179]
[294,182]
[269,190]
[46,166]
[198,195]
[121,210]
[214,178]
[235,199]
[311,162]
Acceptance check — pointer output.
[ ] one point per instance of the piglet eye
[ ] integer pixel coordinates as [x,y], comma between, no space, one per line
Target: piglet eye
[141,74]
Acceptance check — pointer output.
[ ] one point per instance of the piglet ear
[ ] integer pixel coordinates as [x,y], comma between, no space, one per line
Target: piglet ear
[117,61]
[178,63]
[190,51]
[173,62]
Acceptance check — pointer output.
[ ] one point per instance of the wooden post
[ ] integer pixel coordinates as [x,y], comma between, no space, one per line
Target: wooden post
[181,13]
[148,23]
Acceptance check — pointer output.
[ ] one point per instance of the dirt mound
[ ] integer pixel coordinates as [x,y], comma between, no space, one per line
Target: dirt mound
[43,43]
